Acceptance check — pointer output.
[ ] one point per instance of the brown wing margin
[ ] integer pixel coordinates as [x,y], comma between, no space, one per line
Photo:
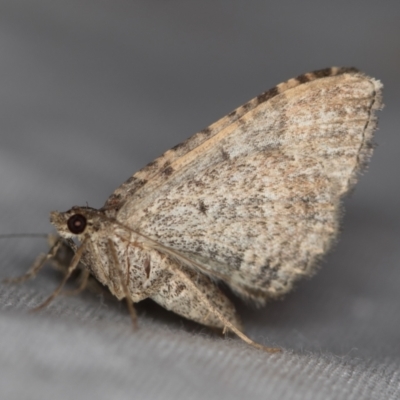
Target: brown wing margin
[162,164]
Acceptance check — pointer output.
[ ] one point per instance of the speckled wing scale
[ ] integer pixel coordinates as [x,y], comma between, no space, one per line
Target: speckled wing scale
[253,200]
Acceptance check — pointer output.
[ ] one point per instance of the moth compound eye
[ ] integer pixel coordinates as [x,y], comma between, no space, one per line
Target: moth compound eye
[77,224]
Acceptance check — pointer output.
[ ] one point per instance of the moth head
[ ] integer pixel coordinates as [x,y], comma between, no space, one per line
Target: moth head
[77,222]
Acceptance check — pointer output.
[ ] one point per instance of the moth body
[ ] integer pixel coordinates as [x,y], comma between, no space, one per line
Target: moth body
[113,253]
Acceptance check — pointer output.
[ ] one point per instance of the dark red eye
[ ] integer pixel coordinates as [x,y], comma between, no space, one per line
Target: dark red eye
[77,224]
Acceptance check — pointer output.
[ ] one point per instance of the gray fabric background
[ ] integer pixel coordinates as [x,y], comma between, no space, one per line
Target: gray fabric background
[92,90]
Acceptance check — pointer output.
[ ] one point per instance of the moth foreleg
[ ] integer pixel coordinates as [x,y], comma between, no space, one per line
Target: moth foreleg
[84,278]
[70,270]
[38,264]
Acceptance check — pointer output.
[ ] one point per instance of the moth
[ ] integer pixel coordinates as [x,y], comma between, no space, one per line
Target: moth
[253,201]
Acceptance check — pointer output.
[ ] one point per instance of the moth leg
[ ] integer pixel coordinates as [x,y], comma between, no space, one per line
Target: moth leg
[83,283]
[128,299]
[196,297]
[71,268]
[84,279]
[38,264]
[63,256]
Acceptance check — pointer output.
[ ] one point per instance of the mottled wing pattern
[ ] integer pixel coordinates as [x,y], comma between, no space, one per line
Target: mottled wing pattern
[153,173]
[254,200]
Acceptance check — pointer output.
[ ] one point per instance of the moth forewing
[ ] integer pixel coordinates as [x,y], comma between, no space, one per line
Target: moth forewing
[258,200]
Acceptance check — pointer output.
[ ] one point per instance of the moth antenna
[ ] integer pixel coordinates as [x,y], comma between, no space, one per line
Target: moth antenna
[16,235]
[38,264]
[129,303]
[71,268]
